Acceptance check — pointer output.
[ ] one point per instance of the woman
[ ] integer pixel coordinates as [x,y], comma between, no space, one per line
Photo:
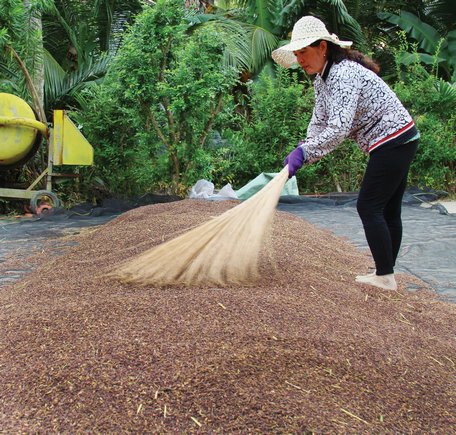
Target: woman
[352,101]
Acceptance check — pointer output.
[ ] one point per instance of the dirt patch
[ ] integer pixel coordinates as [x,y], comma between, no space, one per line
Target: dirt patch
[304,349]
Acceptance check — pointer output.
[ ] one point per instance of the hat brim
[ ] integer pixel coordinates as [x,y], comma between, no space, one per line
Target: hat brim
[285,57]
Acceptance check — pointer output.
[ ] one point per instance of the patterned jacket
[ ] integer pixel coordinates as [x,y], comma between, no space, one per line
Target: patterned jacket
[353,102]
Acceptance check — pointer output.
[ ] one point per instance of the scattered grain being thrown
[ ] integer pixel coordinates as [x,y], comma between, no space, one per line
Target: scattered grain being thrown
[305,349]
[223,250]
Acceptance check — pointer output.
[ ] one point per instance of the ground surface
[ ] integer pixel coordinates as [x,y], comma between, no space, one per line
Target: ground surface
[429,241]
[428,248]
[304,349]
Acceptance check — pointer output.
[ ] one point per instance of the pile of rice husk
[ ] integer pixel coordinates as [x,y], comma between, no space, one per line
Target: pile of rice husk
[303,349]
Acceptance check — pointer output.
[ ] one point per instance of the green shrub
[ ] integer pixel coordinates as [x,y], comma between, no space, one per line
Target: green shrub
[165,117]
[279,113]
[151,118]
[432,103]
[342,171]
[281,108]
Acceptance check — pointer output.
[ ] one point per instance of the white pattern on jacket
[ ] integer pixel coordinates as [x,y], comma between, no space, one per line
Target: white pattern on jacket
[353,102]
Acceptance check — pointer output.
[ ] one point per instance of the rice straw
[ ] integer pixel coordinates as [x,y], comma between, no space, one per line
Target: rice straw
[223,250]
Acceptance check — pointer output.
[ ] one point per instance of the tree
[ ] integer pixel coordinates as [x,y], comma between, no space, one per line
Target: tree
[266,24]
[21,49]
[153,114]
[59,47]
[80,41]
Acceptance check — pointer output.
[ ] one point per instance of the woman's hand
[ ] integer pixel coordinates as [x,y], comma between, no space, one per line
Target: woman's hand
[294,160]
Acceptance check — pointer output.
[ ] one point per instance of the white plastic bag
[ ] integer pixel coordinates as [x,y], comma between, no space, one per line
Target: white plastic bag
[203,189]
[227,192]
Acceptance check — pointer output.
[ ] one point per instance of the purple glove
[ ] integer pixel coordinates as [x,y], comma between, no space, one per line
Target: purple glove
[294,160]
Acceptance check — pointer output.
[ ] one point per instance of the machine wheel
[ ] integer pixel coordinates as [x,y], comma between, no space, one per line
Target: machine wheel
[43,202]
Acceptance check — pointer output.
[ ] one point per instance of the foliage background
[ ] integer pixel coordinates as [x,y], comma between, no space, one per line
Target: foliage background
[169,92]
[151,117]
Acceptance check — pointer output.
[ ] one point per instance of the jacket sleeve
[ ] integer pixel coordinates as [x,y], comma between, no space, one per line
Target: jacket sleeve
[333,115]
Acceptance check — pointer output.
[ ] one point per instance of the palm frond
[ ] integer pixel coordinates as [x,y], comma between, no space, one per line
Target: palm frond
[8,84]
[444,12]
[65,24]
[263,14]
[238,52]
[4,39]
[262,44]
[447,92]
[358,7]
[451,40]
[7,72]
[61,86]
[121,20]
[336,16]
[84,98]
[53,77]
[111,23]
[287,14]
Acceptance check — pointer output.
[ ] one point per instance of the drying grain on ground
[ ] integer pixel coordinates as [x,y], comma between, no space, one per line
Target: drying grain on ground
[304,348]
[223,250]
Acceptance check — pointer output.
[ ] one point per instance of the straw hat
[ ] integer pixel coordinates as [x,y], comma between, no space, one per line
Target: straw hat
[306,31]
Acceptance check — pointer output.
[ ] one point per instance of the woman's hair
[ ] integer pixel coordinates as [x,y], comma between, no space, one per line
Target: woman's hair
[338,54]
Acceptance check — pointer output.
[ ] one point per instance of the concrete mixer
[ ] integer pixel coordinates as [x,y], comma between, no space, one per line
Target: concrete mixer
[21,135]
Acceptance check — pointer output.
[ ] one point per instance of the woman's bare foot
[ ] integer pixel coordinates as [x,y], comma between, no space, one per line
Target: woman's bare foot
[387,282]
[364,276]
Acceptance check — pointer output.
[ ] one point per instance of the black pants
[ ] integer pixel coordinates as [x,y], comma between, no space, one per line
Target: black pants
[380,199]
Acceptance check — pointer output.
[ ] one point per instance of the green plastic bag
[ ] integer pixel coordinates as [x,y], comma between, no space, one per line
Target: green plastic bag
[252,187]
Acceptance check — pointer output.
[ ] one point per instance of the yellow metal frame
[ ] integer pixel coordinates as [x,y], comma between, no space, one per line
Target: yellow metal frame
[70,147]
[26,122]
[66,146]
